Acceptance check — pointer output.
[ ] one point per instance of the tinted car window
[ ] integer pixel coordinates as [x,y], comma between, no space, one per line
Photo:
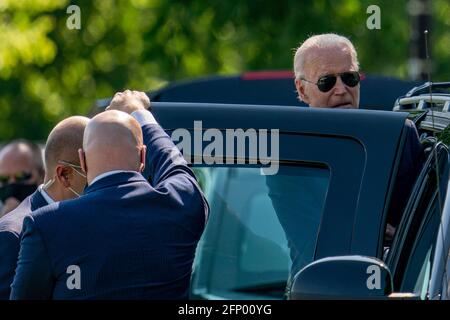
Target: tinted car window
[261,229]
[417,272]
[414,243]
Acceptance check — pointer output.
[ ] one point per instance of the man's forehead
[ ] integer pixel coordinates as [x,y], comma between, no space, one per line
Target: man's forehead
[323,61]
[15,150]
[12,163]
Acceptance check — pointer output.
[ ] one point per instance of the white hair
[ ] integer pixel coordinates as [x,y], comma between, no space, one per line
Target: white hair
[321,41]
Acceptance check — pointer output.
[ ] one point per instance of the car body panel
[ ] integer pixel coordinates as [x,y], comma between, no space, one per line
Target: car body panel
[378,135]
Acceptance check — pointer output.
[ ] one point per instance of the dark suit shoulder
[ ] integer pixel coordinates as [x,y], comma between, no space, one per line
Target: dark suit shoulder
[8,237]
[50,219]
[9,249]
[42,214]
[10,230]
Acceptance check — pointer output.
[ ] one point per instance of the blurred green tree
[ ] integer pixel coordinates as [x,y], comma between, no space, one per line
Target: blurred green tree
[48,72]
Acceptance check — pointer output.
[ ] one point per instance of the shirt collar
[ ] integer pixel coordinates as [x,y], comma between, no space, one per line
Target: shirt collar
[45,195]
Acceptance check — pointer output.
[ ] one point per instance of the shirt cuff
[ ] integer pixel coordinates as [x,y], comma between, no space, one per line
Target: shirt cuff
[144,117]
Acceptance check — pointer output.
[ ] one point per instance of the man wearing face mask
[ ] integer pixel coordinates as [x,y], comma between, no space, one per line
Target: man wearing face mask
[124,238]
[63,180]
[21,171]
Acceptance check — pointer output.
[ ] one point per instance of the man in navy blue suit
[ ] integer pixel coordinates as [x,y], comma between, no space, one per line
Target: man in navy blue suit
[63,180]
[124,238]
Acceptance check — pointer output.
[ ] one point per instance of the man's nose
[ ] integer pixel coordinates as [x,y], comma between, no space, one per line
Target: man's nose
[339,87]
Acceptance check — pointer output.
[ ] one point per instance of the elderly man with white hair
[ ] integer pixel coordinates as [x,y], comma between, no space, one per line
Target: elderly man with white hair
[327,72]
[327,76]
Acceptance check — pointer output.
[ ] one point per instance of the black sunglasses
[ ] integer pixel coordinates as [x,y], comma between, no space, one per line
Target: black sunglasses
[327,82]
[19,177]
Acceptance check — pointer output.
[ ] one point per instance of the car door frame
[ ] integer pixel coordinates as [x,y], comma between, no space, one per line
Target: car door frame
[381,134]
[416,219]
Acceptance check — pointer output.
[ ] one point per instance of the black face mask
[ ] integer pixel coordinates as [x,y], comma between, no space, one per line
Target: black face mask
[18,191]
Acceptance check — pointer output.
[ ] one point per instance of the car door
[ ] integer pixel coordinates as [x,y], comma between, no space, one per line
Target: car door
[440,272]
[413,257]
[262,229]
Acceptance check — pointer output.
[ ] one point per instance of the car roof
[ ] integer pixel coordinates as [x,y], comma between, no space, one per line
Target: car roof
[286,118]
[270,88]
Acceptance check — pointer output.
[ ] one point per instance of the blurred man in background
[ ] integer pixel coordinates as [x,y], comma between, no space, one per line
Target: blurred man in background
[21,171]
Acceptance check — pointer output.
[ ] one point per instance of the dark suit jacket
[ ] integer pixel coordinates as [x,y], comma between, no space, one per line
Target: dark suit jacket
[10,229]
[129,239]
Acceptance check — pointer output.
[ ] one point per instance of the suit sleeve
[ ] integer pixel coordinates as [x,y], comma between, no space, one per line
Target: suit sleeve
[163,157]
[33,279]
[165,166]
[9,250]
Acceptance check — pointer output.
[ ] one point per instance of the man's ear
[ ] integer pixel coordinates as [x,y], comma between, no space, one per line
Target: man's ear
[301,91]
[82,158]
[62,175]
[142,158]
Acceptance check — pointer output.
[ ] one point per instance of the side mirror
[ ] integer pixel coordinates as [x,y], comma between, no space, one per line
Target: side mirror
[344,277]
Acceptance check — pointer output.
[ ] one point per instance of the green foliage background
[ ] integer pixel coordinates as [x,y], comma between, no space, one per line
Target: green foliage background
[48,72]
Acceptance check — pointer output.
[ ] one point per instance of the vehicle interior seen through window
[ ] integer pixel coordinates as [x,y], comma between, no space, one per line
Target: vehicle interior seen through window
[253,244]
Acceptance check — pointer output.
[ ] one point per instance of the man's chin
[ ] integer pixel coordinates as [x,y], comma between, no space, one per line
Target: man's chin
[345,106]
[338,106]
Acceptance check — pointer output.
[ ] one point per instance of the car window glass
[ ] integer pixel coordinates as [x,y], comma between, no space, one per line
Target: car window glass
[261,228]
[421,286]
[417,233]
[417,272]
